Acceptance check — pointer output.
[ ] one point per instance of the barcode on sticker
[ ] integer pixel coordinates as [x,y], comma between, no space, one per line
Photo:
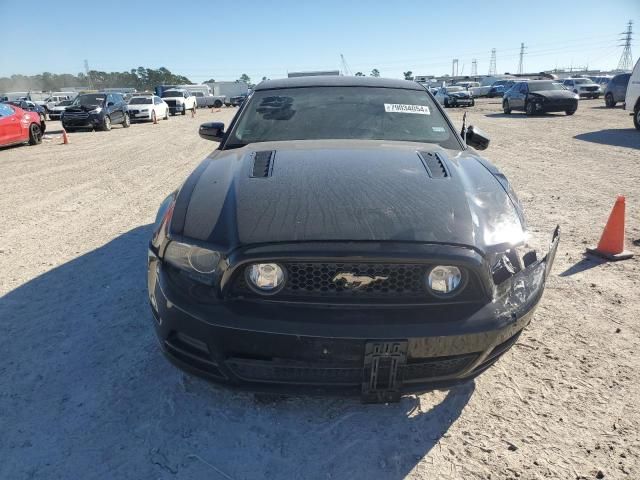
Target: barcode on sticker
[401,108]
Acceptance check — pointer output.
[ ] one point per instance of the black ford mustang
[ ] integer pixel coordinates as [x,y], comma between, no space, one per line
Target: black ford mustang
[344,237]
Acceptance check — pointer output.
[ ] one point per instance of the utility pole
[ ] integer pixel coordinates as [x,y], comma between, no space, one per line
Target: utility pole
[521,64]
[492,63]
[474,68]
[86,71]
[626,59]
[454,67]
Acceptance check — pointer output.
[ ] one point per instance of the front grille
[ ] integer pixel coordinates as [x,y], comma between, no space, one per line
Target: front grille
[389,283]
[171,103]
[265,371]
[133,112]
[317,374]
[76,115]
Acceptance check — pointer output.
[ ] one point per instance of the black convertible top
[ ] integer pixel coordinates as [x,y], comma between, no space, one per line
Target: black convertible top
[337,81]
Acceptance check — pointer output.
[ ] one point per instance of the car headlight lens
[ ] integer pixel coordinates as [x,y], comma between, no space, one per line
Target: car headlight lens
[144,110]
[266,278]
[199,263]
[444,279]
[96,110]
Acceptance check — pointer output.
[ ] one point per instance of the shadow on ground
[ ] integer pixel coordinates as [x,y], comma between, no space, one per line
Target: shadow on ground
[85,393]
[623,137]
[586,263]
[522,115]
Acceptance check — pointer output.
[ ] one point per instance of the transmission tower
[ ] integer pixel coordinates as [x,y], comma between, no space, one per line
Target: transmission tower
[345,67]
[492,63]
[474,68]
[626,60]
[454,67]
[521,64]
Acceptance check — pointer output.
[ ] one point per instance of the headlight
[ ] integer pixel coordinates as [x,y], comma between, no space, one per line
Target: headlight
[444,280]
[265,278]
[96,110]
[199,263]
[146,110]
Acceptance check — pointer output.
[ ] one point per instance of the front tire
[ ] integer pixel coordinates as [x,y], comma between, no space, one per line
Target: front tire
[106,123]
[505,107]
[35,134]
[217,104]
[636,119]
[126,123]
[153,117]
[609,101]
[570,112]
[184,110]
[166,114]
[530,109]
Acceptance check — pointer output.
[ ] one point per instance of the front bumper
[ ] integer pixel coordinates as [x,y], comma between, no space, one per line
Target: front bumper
[378,351]
[461,101]
[137,115]
[89,122]
[178,108]
[556,106]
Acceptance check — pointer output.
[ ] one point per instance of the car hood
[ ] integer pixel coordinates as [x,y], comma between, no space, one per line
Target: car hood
[346,191]
[458,94]
[555,94]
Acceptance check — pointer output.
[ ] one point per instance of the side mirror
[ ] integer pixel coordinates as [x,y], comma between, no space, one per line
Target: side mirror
[476,138]
[110,104]
[212,131]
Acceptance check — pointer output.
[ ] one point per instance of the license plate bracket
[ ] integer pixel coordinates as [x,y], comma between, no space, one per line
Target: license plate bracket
[382,378]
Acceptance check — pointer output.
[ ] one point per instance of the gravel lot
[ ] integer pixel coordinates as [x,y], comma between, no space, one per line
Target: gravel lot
[85,392]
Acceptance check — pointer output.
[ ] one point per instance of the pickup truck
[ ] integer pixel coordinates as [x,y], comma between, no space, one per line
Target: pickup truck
[207,100]
[179,100]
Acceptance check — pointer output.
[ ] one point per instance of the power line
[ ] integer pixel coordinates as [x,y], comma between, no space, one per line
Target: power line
[626,60]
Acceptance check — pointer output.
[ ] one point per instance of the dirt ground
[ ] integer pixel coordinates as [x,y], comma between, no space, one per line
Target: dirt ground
[85,392]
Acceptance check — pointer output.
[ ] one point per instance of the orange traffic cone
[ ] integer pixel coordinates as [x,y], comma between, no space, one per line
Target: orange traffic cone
[611,245]
[65,138]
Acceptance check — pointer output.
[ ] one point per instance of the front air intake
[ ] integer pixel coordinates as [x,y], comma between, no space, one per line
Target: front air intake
[262,164]
[435,166]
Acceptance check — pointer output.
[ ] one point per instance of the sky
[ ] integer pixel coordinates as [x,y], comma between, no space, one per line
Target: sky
[224,39]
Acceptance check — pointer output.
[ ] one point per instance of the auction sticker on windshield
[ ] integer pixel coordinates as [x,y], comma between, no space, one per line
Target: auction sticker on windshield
[400,108]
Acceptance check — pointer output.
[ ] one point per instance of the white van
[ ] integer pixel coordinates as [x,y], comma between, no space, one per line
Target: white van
[632,100]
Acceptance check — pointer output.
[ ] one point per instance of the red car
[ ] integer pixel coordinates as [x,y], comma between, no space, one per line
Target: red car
[19,126]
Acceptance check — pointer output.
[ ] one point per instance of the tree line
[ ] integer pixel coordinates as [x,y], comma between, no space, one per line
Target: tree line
[140,78]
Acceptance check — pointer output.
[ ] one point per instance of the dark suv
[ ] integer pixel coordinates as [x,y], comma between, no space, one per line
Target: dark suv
[616,90]
[96,111]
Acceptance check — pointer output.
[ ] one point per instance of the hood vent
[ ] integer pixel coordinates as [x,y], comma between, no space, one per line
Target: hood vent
[262,164]
[434,164]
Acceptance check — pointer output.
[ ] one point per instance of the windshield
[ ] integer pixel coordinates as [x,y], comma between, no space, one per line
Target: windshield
[543,86]
[454,89]
[65,103]
[140,100]
[198,94]
[581,81]
[172,93]
[353,113]
[90,99]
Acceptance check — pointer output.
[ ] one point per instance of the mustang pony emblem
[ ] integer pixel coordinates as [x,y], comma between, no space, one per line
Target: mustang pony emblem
[357,281]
